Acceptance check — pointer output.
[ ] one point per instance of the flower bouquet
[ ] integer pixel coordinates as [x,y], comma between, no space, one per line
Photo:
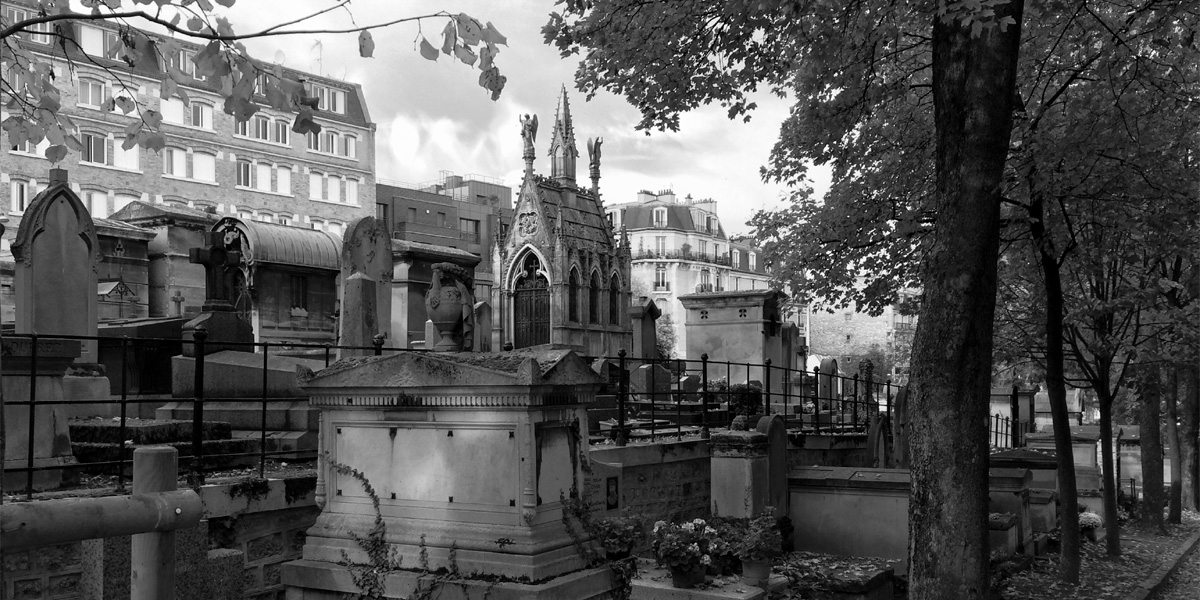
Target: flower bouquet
[683,549]
[621,534]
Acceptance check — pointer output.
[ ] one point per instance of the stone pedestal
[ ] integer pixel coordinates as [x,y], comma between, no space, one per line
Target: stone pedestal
[1008,492]
[43,383]
[741,473]
[467,456]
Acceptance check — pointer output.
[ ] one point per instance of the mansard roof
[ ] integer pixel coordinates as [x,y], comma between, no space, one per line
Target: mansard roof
[679,217]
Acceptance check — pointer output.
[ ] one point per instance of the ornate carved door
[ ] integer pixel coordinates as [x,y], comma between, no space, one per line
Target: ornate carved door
[531,307]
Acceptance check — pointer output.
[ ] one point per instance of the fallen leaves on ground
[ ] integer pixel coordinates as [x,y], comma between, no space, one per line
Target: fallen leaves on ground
[1101,577]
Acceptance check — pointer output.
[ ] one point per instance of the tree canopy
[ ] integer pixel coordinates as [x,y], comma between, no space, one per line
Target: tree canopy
[32,97]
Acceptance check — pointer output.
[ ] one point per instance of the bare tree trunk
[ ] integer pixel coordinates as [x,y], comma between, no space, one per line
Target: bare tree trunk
[1175,514]
[1112,529]
[1189,432]
[973,83]
[1150,417]
[1056,389]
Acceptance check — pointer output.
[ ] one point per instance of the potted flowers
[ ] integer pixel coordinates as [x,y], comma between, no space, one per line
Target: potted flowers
[759,547]
[621,534]
[683,549]
[1089,522]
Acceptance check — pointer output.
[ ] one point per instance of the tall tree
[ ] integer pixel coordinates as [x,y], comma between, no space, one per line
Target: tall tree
[845,62]
[31,95]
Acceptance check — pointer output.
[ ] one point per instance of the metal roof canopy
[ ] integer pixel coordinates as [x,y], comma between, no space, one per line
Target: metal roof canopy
[276,244]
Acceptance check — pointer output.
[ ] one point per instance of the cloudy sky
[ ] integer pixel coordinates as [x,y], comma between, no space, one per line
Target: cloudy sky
[433,116]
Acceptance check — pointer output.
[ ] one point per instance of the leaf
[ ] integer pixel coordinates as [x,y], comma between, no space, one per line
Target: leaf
[223,27]
[486,53]
[448,38]
[73,143]
[226,3]
[469,30]
[205,5]
[56,153]
[366,45]
[130,142]
[427,49]
[195,24]
[109,105]
[491,36]
[167,88]
[133,127]
[465,54]
[125,104]
[153,118]
[155,142]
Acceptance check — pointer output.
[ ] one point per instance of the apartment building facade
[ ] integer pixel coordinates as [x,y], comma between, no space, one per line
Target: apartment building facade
[465,212]
[680,247]
[255,170]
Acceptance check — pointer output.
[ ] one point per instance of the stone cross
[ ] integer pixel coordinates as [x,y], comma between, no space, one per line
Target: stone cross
[219,270]
[177,300]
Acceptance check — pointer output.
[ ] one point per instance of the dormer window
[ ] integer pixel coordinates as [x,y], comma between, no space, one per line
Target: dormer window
[660,217]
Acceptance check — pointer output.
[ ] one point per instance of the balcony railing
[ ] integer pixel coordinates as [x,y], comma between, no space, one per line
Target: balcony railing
[662,287]
[681,255]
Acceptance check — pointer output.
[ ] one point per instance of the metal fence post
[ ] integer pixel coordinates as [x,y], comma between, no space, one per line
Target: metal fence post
[327,347]
[854,404]
[199,335]
[262,449]
[767,388]
[124,400]
[33,345]
[622,392]
[816,399]
[704,396]
[378,342]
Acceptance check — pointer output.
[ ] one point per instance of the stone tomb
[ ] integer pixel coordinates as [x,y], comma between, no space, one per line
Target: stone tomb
[468,455]
[51,442]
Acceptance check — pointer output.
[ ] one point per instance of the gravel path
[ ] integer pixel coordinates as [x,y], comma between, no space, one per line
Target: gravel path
[1184,584]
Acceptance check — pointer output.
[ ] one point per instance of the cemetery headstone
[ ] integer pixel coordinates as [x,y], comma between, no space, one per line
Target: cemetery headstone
[56,257]
[227,330]
[775,426]
[483,326]
[651,382]
[367,285]
[827,384]
[900,429]
[643,315]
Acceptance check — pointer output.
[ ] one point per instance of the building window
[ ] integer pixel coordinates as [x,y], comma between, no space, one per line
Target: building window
[706,280]
[241,128]
[717,281]
[202,116]
[204,167]
[20,195]
[710,224]
[38,33]
[174,162]
[262,128]
[95,148]
[469,230]
[752,261]
[328,98]
[266,217]
[333,192]
[244,177]
[335,228]
[660,244]
[313,143]
[660,279]
[316,186]
[300,291]
[317,224]
[285,219]
[283,180]
[182,60]
[594,299]
[737,259]
[123,200]
[91,40]
[92,93]
[96,203]
[660,217]
[127,159]
[328,141]
[412,215]
[281,132]
[614,301]
[703,248]
[573,297]
[262,177]
[352,191]
[349,147]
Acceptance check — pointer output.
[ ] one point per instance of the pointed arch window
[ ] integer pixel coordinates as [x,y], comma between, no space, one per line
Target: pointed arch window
[594,299]
[614,300]
[573,297]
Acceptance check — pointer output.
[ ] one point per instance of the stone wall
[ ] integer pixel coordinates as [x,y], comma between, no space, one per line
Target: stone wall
[52,572]
[664,481]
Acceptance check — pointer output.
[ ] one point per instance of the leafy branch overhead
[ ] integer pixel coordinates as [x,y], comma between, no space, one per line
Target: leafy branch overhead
[32,97]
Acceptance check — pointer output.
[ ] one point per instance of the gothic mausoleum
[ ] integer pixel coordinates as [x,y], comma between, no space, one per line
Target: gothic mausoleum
[562,274]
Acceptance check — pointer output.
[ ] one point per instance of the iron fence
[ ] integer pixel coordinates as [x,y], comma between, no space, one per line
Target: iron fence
[674,397]
[193,457]
[1002,433]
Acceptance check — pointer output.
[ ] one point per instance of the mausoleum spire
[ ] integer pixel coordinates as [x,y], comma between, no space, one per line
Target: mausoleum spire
[563,151]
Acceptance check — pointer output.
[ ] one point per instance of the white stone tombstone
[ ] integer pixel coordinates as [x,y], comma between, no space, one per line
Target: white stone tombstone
[468,455]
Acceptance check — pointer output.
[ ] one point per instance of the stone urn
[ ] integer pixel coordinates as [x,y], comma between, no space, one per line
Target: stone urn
[448,305]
